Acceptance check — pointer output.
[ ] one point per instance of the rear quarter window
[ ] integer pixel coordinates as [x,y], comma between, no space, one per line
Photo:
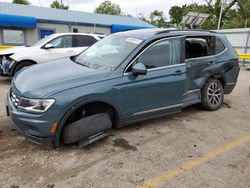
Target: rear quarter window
[219,47]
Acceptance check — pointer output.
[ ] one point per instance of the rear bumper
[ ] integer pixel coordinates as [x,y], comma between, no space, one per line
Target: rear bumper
[229,88]
[231,79]
[30,127]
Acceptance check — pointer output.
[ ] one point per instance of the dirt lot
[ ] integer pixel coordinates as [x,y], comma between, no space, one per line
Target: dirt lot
[136,154]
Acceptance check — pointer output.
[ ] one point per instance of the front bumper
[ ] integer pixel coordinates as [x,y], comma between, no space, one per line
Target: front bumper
[8,74]
[1,72]
[31,126]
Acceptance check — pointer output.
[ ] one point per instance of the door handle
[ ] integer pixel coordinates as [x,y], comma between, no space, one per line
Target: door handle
[70,51]
[178,72]
[211,63]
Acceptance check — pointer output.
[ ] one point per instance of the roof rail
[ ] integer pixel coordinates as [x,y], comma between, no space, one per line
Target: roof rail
[191,30]
[165,31]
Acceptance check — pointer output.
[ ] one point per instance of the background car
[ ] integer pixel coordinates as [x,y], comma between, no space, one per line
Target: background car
[53,47]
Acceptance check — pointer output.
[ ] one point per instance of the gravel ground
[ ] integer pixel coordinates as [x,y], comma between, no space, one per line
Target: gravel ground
[133,155]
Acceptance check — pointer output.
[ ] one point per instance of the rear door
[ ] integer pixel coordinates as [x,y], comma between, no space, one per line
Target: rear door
[200,51]
[161,89]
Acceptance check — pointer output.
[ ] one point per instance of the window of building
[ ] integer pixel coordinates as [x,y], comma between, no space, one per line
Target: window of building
[44,32]
[164,53]
[62,42]
[83,41]
[13,37]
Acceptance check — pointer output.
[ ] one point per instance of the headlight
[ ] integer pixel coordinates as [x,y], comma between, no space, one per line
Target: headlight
[35,105]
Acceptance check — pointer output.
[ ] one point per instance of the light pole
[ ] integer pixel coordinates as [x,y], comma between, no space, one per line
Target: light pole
[221,10]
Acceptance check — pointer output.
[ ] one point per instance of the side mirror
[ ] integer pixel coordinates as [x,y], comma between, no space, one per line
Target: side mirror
[139,69]
[48,46]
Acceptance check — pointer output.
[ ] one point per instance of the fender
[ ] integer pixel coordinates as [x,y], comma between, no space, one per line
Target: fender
[202,80]
[13,65]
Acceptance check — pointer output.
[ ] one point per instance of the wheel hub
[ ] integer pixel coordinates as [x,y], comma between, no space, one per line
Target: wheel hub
[214,94]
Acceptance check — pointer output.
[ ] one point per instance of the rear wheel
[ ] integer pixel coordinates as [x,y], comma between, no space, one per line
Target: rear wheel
[212,95]
[21,65]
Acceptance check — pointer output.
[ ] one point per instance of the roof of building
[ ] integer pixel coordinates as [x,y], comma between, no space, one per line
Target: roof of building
[43,14]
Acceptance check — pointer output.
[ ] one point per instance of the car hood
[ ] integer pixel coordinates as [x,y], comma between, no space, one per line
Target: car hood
[12,50]
[42,80]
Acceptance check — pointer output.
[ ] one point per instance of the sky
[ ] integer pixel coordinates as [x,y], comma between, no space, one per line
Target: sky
[133,7]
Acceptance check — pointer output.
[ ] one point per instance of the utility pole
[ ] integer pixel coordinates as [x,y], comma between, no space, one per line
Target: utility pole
[221,10]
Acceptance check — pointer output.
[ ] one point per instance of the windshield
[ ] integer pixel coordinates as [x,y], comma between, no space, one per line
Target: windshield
[108,53]
[42,41]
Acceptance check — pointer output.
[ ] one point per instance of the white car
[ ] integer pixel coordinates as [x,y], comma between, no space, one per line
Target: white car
[53,47]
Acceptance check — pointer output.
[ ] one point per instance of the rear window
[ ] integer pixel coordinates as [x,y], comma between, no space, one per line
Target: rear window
[199,47]
[203,46]
[83,41]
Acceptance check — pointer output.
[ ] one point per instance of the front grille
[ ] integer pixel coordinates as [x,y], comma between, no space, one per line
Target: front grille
[14,98]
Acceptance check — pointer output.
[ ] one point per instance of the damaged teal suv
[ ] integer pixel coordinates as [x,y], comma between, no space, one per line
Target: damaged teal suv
[125,78]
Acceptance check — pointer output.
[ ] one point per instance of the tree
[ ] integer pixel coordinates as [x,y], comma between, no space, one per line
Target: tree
[176,14]
[23,2]
[58,5]
[227,8]
[143,17]
[158,19]
[211,7]
[107,7]
[243,8]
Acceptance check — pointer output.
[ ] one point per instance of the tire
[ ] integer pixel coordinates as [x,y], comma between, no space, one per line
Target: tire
[21,65]
[212,95]
[86,127]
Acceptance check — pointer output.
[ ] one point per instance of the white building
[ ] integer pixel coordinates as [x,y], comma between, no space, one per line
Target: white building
[26,24]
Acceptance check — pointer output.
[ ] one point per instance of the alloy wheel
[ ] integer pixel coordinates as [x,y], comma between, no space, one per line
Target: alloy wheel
[214,94]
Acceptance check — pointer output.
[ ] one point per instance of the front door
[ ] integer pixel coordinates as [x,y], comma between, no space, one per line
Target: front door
[161,89]
[62,47]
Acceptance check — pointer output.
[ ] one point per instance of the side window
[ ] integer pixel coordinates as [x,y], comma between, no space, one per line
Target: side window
[200,46]
[62,42]
[83,41]
[219,47]
[164,53]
